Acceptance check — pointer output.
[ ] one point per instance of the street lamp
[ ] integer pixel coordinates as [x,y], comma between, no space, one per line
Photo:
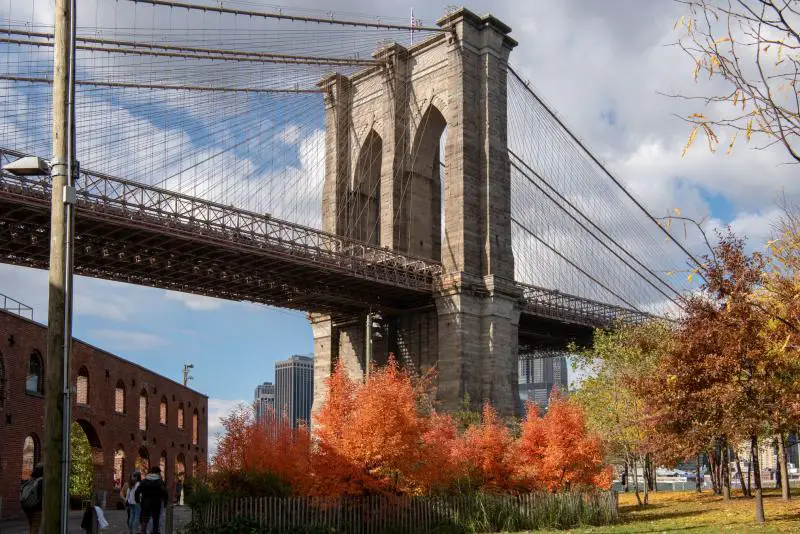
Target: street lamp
[186,376]
[28,166]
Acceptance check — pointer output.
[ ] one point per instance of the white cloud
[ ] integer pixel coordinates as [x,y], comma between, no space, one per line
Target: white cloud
[195,302]
[217,409]
[121,341]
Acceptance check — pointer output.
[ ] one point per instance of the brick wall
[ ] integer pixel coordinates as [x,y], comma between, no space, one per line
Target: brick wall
[22,413]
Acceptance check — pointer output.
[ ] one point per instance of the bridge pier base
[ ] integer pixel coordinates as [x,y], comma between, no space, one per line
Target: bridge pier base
[478,345]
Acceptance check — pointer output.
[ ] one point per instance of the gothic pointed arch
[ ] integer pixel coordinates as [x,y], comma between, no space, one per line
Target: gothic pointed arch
[363,216]
[421,202]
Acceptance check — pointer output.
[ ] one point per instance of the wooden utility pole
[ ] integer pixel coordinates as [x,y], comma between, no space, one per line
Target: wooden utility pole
[59,313]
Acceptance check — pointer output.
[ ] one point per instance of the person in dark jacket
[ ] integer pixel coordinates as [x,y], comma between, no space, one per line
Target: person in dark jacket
[33,509]
[152,496]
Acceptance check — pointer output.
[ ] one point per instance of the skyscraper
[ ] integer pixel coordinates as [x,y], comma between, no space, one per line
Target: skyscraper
[538,376]
[264,399]
[294,388]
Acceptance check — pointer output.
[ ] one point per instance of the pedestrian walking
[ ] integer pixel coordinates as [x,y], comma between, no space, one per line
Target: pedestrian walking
[134,510]
[30,498]
[151,494]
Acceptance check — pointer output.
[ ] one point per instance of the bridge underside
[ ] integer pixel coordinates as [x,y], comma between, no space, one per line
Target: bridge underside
[542,334]
[139,249]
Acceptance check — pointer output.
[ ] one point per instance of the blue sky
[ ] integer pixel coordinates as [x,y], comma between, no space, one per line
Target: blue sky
[601,68]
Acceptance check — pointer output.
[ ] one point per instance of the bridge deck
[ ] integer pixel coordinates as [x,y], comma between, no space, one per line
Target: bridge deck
[130,232]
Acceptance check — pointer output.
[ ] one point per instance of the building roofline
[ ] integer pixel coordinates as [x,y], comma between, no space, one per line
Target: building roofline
[105,352]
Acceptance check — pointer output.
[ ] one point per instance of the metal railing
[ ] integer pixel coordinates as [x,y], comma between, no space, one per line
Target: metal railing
[171,212]
[14,306]
[101,193]
[564,307]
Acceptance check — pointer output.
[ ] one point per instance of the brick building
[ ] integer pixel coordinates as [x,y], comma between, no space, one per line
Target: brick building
[131,416]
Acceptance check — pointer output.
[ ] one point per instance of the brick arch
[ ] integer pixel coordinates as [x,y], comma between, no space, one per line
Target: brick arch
[98,459]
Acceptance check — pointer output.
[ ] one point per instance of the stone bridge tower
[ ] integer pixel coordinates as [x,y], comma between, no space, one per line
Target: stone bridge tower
[388,183]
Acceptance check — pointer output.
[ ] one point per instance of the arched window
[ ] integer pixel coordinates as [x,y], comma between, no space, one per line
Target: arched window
[143,410]
[34,381]
[119,467]
[180,467]
[119,397]
[143,461]
[31,454]
[195,427]
[82,386]
[162,463]
[180,416]
[162,411]
[2,382]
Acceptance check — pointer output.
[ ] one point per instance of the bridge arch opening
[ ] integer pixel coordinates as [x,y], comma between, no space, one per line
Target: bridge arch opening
[365,196]
[86,461]
[424,206]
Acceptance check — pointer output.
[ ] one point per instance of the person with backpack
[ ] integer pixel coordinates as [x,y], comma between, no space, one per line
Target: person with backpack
[30,498]
[152,495]
[134,510]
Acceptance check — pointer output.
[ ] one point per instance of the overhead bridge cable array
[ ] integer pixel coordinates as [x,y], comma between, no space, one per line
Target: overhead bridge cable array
[222,102]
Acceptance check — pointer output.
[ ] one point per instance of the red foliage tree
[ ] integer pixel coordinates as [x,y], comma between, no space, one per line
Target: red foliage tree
[556,452]
[270,445]
[483,452]
[370,437]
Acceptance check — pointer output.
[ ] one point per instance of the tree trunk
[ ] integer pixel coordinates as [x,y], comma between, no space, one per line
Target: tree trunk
[697,485]
[713,471]
[726,472]
[749,474]
[757,480]
[745,489]
[646,474]
[783,468]
[626,476]
[653,474]
[636,481]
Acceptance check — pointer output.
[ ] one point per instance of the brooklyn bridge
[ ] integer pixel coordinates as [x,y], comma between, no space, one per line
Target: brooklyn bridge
[350,168]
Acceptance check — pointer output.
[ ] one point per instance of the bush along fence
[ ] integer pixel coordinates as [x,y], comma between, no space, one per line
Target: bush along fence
[378,514]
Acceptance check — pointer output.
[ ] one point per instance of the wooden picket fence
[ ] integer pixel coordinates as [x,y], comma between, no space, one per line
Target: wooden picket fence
[377,514]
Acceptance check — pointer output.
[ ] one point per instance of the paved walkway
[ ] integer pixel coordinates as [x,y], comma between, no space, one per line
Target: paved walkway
[116,520]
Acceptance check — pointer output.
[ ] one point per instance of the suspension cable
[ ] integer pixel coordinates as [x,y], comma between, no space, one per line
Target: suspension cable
[295,18]
[602,167]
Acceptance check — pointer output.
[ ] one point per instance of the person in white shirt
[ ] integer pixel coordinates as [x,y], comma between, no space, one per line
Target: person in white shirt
[134,507]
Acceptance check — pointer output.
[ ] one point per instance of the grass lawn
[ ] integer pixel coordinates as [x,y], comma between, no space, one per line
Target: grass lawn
[679,511]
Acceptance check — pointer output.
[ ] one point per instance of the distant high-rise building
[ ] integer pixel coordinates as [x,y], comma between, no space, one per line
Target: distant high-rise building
[294,388]
[538,377]
[264,399]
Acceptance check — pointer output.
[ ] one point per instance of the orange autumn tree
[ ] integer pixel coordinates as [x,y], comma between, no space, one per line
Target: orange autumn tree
[556,452]
[483,452]
[370,437]
[270,445]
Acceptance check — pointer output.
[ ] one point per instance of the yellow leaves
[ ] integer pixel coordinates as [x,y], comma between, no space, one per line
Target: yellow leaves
[689,277]
[676,211]
[697,66]
[669,273]
[690,141]
[723,40]
[680,22]
[730,145]
[749,130]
